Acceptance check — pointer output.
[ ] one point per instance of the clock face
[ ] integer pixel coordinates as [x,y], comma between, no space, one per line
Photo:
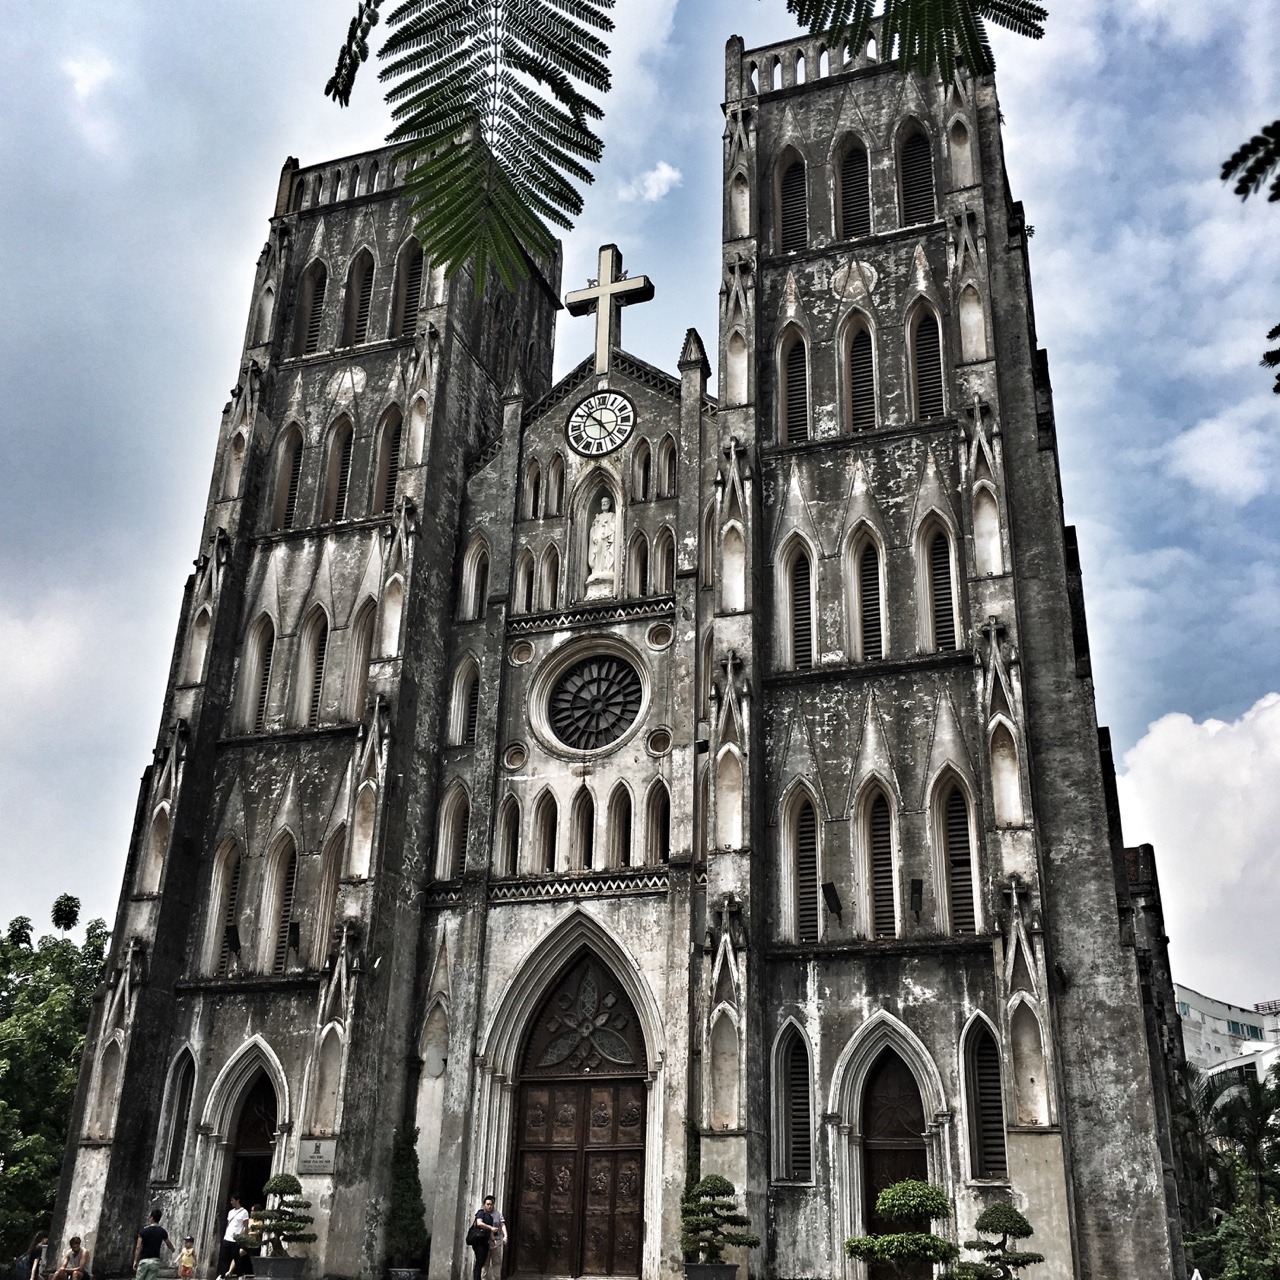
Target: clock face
[601,423]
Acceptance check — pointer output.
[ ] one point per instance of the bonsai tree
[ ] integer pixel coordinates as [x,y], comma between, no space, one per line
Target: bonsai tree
[710,1220]
[284,1221]
[407,1219]
[1000,1259]
[909,1204]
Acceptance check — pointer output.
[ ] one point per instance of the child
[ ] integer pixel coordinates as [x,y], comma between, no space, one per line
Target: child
[187,1258]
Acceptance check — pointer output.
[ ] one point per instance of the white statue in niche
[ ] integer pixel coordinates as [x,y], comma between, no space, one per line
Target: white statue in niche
[600,552]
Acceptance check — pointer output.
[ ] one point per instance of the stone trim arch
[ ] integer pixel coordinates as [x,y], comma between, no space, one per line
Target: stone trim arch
[789,1027]
[229,1084]
[860,536]
[169,1120]
[967,1120]
[937,787]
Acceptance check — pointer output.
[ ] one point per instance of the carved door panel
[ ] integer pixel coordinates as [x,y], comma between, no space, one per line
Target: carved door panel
[580,1176]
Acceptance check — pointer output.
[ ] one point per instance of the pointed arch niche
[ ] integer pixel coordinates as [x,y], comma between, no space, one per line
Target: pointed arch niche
[513,1047]
[433,1054]
[724,1073]
[596,488]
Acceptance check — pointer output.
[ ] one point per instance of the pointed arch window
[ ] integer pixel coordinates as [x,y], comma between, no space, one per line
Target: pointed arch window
[287,929]
[638,566]
[642,472]
[311,676]
[985,1104]
[926,351]
[729,798]
[532,490]
[550,592]
[465,713]
[324,1104]
[475,581]
[404,317]
[327,898]
[667,468]
[508,849]
[973,325]
[620,827]
[794,401]
[257,677]
[862,381]
[262,320]
[793,207]
[199,645]
[855,193]
[388,475]
[664,564]
[523,596]
[987,552]
[884,918]
[961,155]
[288,479]
[226,915]
[958,859]
[584,830]
[361,653]
[916,170]
[555,486]
[182,1081]
[545,814]
[355,321]
[658,834]
[455,824]
[234,466]
[1006,777]
[941,598]
[804,836]
[709,547]
[363,830]
[338,480]
[867,619]
[311,291]
[797,605]
[793,1110]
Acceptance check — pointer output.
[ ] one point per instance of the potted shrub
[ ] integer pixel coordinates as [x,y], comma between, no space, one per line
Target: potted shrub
[710,1223]
[407,1238]
[1001,1259]
[909,1205]
[283,1222]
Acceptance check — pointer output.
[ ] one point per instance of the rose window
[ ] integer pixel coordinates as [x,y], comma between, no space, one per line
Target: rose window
[595,702]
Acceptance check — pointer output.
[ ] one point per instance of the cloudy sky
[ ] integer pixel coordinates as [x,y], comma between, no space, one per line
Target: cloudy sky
[140,145]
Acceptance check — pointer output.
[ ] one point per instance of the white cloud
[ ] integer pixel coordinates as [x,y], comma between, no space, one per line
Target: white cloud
[652,185]
[42,646]
[1207,796]
[88,74]
[1232,455]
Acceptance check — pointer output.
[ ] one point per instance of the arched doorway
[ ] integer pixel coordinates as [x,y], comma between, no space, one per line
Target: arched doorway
[578,1155]
[892,1147]
[253,1148]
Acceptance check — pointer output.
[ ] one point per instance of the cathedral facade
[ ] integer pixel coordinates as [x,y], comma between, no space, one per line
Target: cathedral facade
[622,783]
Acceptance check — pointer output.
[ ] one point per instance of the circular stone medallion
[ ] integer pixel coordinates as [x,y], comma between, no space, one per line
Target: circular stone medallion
[595,702]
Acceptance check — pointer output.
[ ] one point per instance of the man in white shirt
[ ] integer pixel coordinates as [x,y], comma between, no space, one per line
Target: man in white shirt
[237,1225]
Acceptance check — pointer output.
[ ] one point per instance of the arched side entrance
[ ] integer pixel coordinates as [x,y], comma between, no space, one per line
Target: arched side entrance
[578,1150]
[893,1148]
[253,1144]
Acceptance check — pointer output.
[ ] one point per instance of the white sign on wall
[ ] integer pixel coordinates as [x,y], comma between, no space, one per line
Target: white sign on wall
[315,1155]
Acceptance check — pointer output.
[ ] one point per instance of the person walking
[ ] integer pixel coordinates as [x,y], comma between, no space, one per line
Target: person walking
[75,1266]
[28,1266]
[481,1236]
[146,1250]
[498,1243]
[237,1225]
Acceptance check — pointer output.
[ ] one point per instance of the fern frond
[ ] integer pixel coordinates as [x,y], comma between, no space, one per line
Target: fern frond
[926,35]
[491,107]
[354,51]
[1253,161]
[1271,359]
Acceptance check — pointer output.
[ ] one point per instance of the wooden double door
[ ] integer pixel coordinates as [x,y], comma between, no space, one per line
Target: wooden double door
[579,1178]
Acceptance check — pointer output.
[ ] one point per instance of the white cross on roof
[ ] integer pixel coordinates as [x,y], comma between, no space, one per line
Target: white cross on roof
[606,296]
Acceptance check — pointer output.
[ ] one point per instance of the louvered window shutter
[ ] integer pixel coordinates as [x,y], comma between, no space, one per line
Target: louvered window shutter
[393,469]
[869,604]
[362,305]
[806,874]
[317,675]
[344,478]
[862,383]
[180,1114]
[855,195]
[883,917]
[944,617]
[801,614]
[316,315]
[795,211]
[796,406]
[548,850]
[230,917]
[959,864]
[928,361]
[917,181]
[986,1107]
[799,1152]
[412,296]
[473,710]
[461,830]
[285,916]
[295,478]
[265,654]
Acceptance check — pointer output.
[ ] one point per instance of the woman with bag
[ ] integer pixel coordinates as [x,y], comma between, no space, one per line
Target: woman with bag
[480,1236]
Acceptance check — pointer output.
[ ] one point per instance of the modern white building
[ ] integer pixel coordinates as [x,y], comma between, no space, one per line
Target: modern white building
[1220,1036]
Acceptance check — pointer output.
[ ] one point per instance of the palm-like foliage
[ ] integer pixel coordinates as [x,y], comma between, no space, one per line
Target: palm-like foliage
[924,34]
[1250,166]
[1245,1118]
[490,102]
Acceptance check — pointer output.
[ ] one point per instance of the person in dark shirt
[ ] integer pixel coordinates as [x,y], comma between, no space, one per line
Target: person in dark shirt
[484,1221]
[146,1251]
